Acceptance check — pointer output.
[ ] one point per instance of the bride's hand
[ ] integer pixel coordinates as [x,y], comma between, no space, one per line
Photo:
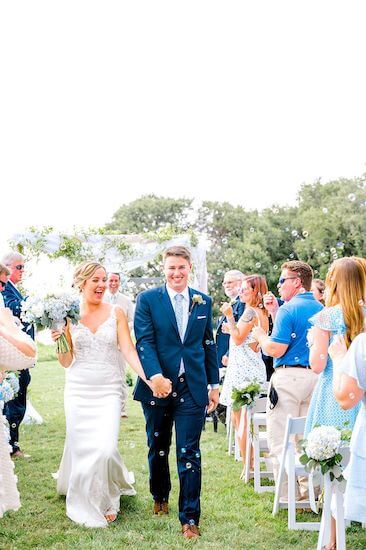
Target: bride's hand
[56,334]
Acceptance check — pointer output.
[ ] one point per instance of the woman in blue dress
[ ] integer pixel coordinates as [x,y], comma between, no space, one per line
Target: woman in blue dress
[344,315]
[349,390]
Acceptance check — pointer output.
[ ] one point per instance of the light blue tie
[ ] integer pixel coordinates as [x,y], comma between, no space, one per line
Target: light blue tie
[179,313]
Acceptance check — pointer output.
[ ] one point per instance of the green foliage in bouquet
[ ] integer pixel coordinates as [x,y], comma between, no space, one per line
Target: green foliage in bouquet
[245,396]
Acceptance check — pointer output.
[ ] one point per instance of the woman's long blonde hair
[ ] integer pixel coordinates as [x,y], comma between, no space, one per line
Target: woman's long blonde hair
[346,285]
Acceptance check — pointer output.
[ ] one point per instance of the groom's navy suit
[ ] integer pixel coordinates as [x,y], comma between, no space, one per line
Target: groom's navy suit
[162,351]
[15,409]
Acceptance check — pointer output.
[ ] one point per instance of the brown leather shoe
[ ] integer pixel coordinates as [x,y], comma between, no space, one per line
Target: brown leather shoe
[161,508]
[190,531]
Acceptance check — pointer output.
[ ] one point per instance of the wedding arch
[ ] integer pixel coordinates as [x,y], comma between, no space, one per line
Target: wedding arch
[119,253]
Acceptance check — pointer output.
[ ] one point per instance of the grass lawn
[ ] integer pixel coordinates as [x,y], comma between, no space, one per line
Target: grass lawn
[233,516]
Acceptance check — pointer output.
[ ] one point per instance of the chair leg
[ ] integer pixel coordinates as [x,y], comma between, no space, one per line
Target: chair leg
[324,531]
[291,491]
[340,524]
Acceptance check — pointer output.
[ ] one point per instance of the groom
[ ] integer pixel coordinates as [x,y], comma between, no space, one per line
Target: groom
[177,351]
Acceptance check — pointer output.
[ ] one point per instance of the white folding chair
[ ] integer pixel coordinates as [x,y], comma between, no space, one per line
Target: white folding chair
[257,439]
[291,466]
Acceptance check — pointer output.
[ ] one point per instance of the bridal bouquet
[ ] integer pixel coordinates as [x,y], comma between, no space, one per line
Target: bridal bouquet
[9,387]
[246,395]
[52,311]
[321,451]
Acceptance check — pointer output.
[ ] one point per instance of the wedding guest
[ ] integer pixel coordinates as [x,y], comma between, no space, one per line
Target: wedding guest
[232,285]
[15,409]
[350,389]
[245,359]
[4,277]
[293,381]
[345,314]
[17,351]
[318,288]
[114,296]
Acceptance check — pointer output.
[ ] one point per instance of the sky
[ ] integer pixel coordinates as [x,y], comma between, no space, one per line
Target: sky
[102,102]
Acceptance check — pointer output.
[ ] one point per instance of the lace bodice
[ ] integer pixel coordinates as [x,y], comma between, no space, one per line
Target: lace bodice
[98,347]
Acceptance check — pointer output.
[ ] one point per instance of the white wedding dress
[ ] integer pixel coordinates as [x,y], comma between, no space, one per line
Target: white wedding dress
[92,474]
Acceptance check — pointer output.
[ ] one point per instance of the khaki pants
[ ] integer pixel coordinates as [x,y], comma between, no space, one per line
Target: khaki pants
[294,387]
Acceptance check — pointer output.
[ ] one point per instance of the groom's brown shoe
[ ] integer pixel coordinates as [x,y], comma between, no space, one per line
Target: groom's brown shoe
[190,531]
[161,508]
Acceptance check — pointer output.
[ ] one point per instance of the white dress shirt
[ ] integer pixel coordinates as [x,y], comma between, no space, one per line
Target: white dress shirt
[185,303]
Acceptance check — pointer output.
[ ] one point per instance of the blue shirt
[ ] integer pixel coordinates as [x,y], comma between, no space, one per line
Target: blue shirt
[291,326]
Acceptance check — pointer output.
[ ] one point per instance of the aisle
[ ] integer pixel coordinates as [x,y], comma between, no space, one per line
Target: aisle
[233,516]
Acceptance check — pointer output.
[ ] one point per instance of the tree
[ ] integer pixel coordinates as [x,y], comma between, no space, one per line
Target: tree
[150,213]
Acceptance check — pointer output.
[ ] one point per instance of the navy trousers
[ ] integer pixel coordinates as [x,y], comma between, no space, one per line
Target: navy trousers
[14,410]
[188,418]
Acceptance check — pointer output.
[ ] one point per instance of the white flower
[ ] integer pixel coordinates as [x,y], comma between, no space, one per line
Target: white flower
[323,442]
[197,299]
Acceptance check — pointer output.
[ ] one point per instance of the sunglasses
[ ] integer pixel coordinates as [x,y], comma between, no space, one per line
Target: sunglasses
[2,284]
[19,267]
[283,279]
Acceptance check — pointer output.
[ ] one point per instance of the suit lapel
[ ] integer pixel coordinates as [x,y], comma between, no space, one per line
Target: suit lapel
[191,314]
[167,304]
[14,290]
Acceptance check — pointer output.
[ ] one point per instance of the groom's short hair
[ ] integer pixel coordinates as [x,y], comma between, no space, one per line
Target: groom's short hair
[180,251]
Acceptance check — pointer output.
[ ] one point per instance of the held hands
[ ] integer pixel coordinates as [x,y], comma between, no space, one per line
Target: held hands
[225,328]
[160,386]
[213,398]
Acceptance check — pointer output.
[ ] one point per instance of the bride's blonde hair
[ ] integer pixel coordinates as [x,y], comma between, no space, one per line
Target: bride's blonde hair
[85,271]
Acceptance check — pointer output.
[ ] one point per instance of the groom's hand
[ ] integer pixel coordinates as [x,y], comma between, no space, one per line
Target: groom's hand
[213,397]
[161,386]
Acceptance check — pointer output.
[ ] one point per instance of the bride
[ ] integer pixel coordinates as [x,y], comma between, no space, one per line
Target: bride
[92,474]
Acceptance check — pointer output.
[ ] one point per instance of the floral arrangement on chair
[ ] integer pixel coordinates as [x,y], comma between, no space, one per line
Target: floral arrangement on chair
[321,451]
[246,396]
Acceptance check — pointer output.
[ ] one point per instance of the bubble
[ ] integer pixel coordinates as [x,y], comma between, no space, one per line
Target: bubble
[156,434]
[275,210]
[258,264]
[162,453]
[183,450]
[293,335]
[294,233]
[142,348]
[275,267]
[316,272]
[198,455]
[361,303]
[252,229]
[132,445]
[292,256]
[332,249]
[340,244]
[287,229]
[352,197]
[322,254]
[224,240]
[297,359]
[188,465]
[182,399]
[305,233]
[322,356]
[351,395]
[325,210]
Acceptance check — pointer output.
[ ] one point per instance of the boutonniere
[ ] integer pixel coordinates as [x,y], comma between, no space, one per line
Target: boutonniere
[232,301]
[197,299]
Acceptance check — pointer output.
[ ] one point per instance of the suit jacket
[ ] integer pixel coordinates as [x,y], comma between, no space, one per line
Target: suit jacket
[161,349]
[13,300]
[222,339]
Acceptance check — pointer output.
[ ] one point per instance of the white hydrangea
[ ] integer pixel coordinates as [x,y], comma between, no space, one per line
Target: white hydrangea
[323,442]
